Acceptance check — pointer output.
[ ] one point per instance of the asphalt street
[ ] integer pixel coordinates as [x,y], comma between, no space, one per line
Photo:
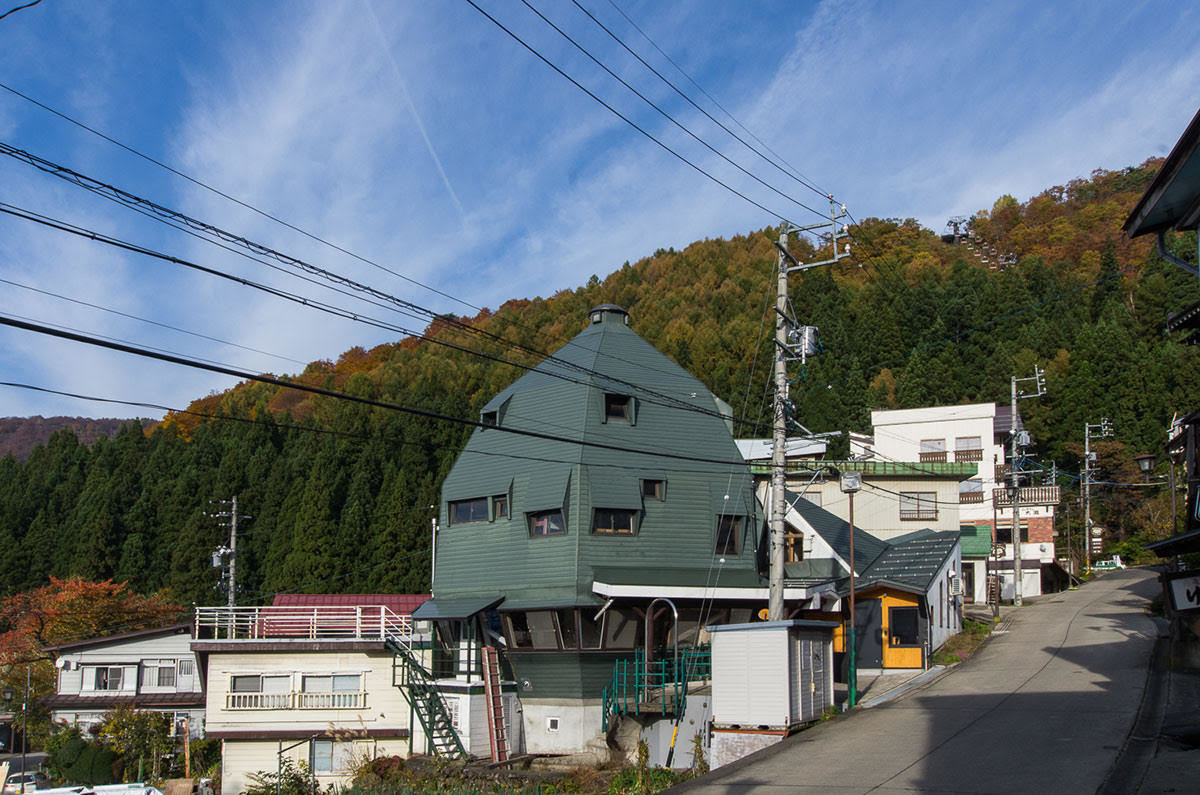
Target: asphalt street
[1046,705]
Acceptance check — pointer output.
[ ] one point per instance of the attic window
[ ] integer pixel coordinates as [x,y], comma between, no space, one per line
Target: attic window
[618,407]
[490,418]
[653,489]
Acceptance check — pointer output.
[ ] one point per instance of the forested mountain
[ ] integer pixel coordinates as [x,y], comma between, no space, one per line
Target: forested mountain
[19,435]
[342,493]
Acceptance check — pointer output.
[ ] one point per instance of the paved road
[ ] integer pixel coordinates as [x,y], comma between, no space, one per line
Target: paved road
[1043,707]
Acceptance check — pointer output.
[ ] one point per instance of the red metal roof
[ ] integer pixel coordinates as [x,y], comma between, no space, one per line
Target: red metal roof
[400,603]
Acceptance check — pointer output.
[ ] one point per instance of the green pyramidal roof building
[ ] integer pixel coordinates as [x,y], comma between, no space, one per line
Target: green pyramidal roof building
[649,497]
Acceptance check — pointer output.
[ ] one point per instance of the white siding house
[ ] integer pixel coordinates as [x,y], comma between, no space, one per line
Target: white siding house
[150,669]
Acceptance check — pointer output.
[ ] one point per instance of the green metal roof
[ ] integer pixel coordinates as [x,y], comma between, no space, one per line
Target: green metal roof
[976,540]
[672,412]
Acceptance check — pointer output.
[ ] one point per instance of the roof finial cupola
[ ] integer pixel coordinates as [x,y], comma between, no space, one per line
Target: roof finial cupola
[608,313]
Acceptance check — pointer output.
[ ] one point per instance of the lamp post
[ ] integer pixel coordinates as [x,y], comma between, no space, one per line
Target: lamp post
[851,482]
[1145,462]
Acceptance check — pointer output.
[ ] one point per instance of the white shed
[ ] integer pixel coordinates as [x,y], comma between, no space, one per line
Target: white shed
[771,674]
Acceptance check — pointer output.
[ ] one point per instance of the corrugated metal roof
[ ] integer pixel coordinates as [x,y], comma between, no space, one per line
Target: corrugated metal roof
[913,560]
[1173,198]
[401,604]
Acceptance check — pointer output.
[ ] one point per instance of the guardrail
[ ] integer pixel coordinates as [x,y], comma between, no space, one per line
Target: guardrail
[293,700]
[328,622]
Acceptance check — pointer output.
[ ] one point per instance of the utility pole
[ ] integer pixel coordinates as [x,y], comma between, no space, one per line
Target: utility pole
[792,341]
[1103,428]
[230,552]
[1038,379]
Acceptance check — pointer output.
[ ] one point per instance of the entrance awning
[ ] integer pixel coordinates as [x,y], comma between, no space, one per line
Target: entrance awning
[455,608]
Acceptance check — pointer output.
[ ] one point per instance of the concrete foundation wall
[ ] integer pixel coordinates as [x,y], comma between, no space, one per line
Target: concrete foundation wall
[730,746]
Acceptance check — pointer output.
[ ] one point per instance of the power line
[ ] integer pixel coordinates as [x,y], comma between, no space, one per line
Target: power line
[624,118]
[235,200]
[266,379]
[795,173]
[663,113]
[150,322]
[688,99]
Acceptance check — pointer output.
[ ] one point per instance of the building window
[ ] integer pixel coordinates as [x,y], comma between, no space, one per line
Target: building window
[653,489]
[618,407]
[793,547]
[933,450]
[533,629]
[729,530]
[465,511]
[109,678]
[968,448]
[490,418]
[546,523]
[970,492]
[331,691]
[331,757]
[613,522]
[904,626]
[158,673]
[258,691]
[185,668]
[1004,532]
[500,506]
[918,506]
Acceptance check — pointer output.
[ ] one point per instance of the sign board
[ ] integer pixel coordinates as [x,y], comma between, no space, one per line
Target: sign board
[1184,590]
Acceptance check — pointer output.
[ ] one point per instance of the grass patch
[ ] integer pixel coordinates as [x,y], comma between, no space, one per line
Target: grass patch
[963,645]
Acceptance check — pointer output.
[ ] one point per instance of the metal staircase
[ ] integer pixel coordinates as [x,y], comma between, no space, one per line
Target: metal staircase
[495,704]
[421,691]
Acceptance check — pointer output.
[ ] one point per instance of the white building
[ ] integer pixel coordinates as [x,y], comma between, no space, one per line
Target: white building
[148,669]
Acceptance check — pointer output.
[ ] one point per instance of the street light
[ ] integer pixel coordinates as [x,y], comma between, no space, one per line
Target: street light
[1145,463]
[851,482]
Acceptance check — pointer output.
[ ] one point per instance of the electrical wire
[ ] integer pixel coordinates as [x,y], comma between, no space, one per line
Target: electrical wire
[625,118]
[666,115]
[265,379]
[689,100]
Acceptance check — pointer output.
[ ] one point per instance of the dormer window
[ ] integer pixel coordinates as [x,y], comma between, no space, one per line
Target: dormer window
[618,407]
[490,418]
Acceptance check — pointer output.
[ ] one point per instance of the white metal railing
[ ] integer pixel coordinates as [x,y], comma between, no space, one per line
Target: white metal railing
[331,700]
[258,700]
[293,700]
[327,622]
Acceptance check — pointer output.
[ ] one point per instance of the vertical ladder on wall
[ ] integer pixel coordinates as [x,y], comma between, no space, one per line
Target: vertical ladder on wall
[495,704]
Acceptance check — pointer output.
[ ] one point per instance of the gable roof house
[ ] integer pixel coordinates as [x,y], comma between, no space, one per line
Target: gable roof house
[907,603]
[147,669]
[606,493]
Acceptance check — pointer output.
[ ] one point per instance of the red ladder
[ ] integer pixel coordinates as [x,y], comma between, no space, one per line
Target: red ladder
[495,704]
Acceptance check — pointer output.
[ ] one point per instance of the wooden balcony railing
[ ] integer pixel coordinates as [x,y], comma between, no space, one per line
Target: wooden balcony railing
[918,514]
[1028,496]
[962,456]
[933,457]
[970,497]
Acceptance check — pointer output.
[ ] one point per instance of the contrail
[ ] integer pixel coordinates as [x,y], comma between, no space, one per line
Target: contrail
[416,116]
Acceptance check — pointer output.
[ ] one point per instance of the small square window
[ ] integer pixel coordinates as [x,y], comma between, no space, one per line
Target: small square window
[653,488]
[500,506]
[546,523]
[618,407]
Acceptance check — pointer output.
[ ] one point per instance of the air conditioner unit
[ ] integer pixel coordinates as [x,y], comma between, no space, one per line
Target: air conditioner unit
[956,586]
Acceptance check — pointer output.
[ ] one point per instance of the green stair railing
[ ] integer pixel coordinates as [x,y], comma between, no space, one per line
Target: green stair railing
[659,687]
[422,694]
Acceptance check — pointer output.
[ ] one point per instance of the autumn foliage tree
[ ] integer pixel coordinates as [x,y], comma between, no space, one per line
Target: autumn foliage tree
[65,610]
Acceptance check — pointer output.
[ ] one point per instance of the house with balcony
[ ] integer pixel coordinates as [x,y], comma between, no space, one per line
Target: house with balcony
[315,678]
[590,531]
[147,669]
[976,434]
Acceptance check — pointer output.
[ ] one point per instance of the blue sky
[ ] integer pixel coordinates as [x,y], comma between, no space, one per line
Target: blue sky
[421,136]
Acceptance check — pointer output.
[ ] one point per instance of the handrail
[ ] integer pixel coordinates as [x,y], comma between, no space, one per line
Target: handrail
[327,622]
